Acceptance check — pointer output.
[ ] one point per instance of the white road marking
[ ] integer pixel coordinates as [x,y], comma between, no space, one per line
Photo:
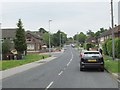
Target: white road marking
[49,85]
[60,73]
[118,80]
[70,59]
[68,63]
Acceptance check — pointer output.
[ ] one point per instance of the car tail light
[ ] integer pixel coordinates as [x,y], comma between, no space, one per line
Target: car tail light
[81,54]
[82,60]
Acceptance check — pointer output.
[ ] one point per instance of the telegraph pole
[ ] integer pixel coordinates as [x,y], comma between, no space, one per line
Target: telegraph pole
[0,42]
[112,23]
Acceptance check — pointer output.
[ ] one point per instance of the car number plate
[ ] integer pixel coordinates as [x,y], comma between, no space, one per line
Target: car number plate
[91,60]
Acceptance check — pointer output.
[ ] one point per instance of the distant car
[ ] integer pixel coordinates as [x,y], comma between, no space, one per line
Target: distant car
[91,59]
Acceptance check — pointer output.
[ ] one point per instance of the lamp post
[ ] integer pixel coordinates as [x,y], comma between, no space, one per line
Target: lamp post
[49,38]
[60,40]
[112,23]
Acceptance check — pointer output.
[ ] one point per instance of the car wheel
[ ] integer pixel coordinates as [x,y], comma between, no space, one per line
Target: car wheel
[102,70]
[81,69]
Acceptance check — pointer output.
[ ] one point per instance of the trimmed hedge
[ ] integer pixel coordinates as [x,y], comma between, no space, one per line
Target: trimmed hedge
[104,46]
[107,47]
[117,47]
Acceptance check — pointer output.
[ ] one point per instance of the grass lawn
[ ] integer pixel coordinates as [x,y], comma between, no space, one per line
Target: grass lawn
[111,65]
[6,64]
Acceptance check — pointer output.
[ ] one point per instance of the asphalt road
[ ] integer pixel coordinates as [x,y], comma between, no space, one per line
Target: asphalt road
[62,72]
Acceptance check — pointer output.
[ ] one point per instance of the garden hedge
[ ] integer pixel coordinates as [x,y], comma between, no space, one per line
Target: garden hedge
[107,47]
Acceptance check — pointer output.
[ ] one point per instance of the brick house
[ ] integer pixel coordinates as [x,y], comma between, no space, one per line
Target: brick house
[9,34]
[108,34]
[33,40]
[91,39]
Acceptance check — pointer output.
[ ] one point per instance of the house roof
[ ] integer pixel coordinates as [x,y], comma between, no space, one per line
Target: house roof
[8,33]
[89,39]
[109,32]
[36,35]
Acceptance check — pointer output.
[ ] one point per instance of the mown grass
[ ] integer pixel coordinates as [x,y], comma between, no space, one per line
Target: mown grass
[112,65]
[6,64]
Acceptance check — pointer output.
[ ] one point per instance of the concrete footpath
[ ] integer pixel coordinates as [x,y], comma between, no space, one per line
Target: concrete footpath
[18,69]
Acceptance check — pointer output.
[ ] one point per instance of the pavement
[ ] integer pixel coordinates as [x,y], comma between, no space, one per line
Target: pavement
[19,69]
[62,72]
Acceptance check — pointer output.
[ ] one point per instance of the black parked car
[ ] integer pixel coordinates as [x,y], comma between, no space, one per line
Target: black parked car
[91,59]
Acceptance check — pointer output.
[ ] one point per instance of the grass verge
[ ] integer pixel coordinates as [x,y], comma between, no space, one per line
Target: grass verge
[112,65]
[6,64]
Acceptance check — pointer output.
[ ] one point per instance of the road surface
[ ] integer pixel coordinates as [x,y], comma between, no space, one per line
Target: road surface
[62,72]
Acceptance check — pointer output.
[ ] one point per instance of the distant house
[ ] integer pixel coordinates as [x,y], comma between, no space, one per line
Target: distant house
[108,34]
[91,39]
[9,34]
[33,39]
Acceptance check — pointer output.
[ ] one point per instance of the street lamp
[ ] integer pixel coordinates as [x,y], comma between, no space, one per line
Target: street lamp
[49,38]
[60,40]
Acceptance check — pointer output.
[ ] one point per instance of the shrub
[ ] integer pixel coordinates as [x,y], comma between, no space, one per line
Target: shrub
[109,47]
[117,47]
[104,46]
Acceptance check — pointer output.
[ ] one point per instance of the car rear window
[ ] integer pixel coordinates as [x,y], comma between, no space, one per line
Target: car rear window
[91,52]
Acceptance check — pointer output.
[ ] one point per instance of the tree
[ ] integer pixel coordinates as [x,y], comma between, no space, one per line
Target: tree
[82,37]
[5,47]
[97,34]
[90,33]
[42,30]
[20,41]
[59,36]
[46,38]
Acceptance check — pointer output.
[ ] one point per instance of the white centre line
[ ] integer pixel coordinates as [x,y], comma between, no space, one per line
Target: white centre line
[68,63]
[60,73]
[49,85]
[70,59]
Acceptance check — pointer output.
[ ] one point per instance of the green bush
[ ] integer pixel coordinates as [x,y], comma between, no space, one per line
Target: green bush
[109,47]
[117,47]
[104,46]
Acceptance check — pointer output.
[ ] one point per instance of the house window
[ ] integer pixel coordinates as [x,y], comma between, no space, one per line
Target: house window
[28,40]
[4,38]
[30,46]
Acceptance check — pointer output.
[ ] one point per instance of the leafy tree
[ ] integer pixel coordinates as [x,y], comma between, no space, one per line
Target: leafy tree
[90,33]
[82,37]
[57,36]
[20,41]
[5,47]
[75,37]
[97,34]
[42,30]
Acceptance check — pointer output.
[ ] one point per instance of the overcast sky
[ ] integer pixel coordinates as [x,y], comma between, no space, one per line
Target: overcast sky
[69,17]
